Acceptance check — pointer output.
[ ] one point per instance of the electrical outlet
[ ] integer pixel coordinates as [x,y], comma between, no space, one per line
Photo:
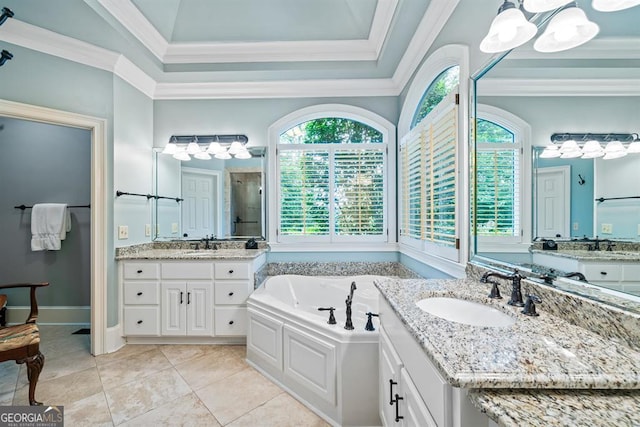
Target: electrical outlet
[147,230]
[123,232]
[606,228]
[576,226]
[174,227]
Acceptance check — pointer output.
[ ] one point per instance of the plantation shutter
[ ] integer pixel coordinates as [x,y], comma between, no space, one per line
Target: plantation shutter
[304,192]
[498,195]
[428,157]
[359,191]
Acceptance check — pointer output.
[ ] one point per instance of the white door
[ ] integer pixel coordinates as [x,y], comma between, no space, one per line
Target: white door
[553,202]
[199,216]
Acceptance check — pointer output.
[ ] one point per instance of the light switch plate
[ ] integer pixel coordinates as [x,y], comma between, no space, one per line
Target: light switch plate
[147,230]
[123,232]
[174,227]
[606,228]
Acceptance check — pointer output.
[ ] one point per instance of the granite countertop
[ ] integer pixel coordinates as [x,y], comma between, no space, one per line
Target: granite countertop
[601,256]
[542,352]
[191,254]
[519,408]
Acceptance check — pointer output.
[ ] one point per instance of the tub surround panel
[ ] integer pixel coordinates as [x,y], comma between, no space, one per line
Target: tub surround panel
[515,408]
[539,352]
[617,319]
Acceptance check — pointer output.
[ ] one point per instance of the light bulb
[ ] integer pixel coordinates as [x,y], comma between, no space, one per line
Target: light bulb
[193,148]
[202,155]
[223,155]
[182,155]
[170,148]
[214,148]
[235,147]
[243,154]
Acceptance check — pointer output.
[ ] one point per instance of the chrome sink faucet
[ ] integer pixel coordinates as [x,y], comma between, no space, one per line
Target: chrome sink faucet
[349,324]
[516,292]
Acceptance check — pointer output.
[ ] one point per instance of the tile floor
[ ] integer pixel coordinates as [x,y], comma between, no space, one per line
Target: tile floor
[142,385]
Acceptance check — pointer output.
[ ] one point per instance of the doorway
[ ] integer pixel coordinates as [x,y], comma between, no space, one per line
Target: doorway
[99,242]
[201,213]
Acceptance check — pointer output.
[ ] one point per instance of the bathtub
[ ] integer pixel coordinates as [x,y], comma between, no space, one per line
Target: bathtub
[333,371]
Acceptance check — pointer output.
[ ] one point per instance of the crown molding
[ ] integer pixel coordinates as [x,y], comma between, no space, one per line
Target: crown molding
[277,89]
[434,19]
[285,51]
[558,87]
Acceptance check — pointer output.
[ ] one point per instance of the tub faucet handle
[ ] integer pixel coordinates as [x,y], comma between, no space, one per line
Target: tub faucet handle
[332,319]
[369,325]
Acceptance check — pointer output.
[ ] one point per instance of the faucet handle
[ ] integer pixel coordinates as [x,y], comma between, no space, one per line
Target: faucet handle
[332,319]
[530,305]
[495,291]
[369,325]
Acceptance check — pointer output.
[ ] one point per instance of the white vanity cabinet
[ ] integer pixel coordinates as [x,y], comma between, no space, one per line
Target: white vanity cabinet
[412,391]
[141,298]
[233,286]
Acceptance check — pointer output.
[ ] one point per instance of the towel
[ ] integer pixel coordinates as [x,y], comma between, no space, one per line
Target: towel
[50,223]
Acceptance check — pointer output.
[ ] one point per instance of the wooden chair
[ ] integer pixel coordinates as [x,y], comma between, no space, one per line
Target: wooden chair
[22,342]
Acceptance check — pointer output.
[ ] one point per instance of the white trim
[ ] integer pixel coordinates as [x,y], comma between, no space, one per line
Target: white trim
[98,128]
[333,247]
[558,87]
[331,110]
[114,339]
[282,51]
[58,315]
[447,266]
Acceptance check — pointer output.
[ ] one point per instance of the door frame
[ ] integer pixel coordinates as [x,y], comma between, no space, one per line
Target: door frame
[98,129]
[566,173]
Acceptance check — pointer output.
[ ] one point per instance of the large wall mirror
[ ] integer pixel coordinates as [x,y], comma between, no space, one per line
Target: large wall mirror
[520,99]
[221,199]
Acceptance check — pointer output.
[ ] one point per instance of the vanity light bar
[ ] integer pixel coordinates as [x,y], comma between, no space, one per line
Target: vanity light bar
[587,145]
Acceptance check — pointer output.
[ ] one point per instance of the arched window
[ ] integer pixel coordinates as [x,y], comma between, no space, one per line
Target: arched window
[332,181]
[439,88]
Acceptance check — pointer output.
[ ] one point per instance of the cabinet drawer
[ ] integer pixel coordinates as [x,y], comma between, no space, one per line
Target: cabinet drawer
[632,273]
[231,270]
[141,293]
[231,292]
[608,272]
[141,270]
[142,321]
[230,321]
[187,270]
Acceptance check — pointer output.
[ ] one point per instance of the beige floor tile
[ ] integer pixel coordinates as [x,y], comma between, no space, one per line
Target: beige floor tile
[55,344]
[124,353]
[178,354]
[55,367]
[140,365]
[238,394]
[133,399]
[91,411]
[63,390]
[219,363]
[186,411]
[281,411]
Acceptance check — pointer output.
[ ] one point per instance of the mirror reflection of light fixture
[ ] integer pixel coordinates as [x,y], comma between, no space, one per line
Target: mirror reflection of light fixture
[614,150]
[181,154]
[634,147]
[613,5]
[592,150]
[568,29]
[223,155]
[243,154]
[570,150]
[536,6]
[550,152]
[508,30]
[589,145]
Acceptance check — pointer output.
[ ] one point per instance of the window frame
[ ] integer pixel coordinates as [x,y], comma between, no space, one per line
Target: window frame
[332,241]
[522,137]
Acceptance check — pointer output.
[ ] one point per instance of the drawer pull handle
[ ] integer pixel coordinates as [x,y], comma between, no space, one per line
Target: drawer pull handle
[139,271]
[139,322]
[139,293]
[188,297]
[391,384]
[231,322]
[604,273]
[230,271]
[181,300]
[230,294]
[398,416]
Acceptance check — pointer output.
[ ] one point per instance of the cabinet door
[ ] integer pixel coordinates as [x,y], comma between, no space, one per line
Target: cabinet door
[174,308]
[389,365]
[410,405]
[199,309]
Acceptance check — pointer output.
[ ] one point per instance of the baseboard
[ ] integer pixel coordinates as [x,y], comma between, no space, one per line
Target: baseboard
[63,315]
[113,340]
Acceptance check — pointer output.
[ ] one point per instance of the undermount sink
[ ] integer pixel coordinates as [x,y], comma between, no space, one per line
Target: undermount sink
[466,312]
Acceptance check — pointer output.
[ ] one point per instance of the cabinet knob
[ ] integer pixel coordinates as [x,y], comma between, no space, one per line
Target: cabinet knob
[231,322]
[139,271]
[139,293]
[604,273]
[230,294]
[230,271]
[139,322]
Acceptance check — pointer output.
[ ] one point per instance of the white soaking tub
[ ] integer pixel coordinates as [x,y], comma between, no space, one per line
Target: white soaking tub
[333,371]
